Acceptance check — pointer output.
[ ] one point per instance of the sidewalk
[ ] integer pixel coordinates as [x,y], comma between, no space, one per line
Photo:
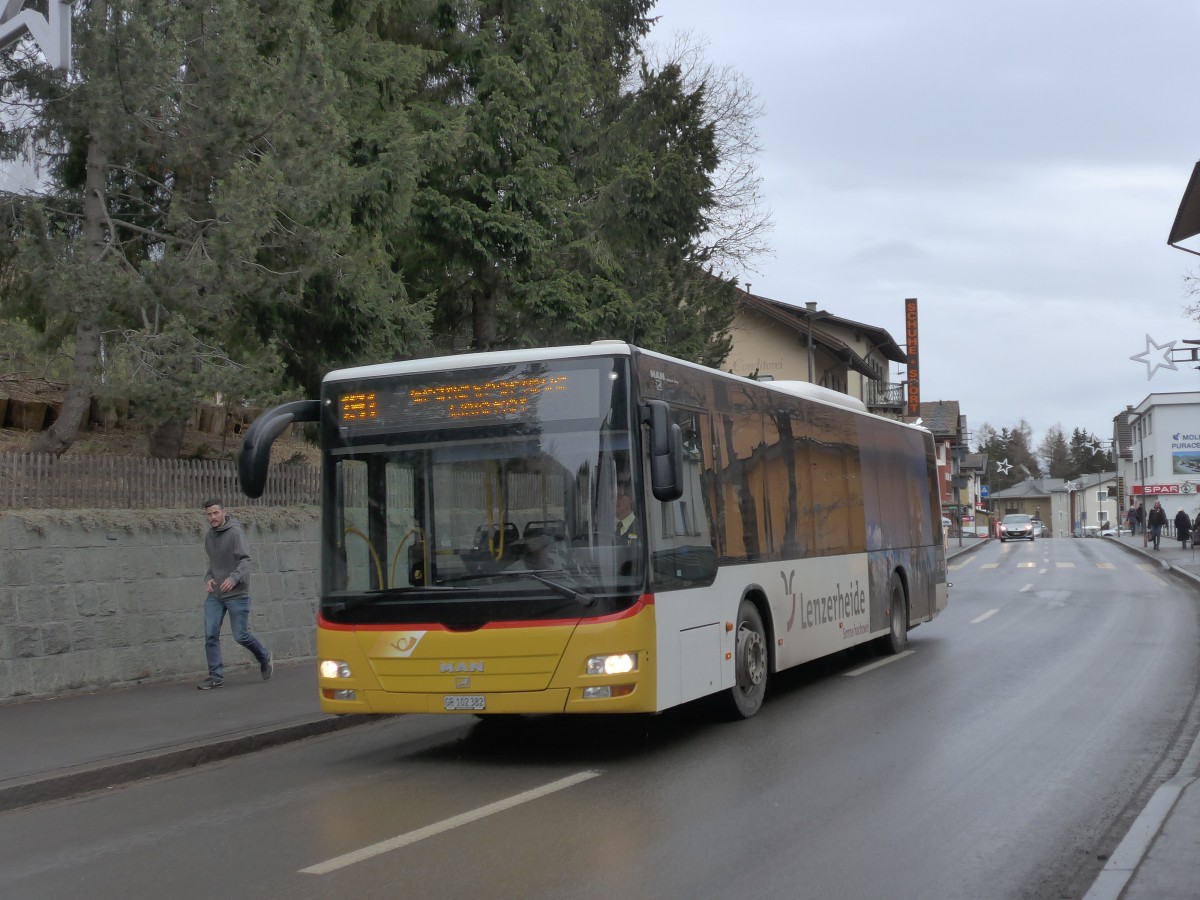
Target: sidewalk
[83,742]
[64,747]
[1159,859]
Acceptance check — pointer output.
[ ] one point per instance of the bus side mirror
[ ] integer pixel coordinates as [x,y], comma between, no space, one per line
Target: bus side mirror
[666,451]
[255,456]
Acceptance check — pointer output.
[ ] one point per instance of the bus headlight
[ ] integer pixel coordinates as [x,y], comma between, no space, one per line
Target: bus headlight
[612,664]
[334,668]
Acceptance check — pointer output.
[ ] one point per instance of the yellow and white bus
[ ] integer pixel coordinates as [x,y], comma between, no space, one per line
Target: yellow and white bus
[602,529]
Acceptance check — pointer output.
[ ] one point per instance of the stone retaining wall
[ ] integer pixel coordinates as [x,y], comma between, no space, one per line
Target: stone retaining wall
[98,598]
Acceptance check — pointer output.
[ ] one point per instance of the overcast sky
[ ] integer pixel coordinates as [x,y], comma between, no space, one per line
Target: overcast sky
[1014,167]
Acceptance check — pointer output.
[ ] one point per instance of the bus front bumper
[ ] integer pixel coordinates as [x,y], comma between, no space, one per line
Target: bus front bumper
[551,701]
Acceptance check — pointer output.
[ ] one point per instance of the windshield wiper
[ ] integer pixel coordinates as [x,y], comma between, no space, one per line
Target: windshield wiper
[564,589]
[561,589]
[379,596]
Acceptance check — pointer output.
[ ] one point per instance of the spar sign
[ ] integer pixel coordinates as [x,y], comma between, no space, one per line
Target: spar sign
[1150,489]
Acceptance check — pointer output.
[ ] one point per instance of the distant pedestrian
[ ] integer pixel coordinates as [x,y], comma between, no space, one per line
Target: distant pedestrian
[1131,520]
[1183,528]
[1141,518]
[227,582]
[1157,521]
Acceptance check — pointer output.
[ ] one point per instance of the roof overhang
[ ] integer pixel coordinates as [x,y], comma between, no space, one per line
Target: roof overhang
[1187,220]
[800,322]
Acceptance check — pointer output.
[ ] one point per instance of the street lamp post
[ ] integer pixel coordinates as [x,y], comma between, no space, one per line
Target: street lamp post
[1142,474]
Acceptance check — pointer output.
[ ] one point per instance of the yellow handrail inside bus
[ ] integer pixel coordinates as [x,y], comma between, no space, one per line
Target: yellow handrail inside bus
[396,556]
[374,555]
[495,542]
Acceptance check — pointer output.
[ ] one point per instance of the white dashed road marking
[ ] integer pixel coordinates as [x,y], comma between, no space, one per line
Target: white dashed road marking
[403,840]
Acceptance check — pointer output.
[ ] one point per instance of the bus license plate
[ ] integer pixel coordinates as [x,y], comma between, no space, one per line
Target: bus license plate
[472,702]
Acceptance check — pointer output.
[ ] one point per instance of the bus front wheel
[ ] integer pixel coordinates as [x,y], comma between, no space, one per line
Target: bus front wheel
[750,662]
[897,637]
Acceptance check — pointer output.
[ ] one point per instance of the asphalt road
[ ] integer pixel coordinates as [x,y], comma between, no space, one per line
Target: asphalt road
[1005,756]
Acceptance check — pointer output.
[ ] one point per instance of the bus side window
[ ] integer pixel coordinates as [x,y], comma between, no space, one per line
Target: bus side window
[834,444]
[739,475]
[682,543]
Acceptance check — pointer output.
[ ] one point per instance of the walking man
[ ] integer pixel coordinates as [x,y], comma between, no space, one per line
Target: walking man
[227,582]
[1157,520]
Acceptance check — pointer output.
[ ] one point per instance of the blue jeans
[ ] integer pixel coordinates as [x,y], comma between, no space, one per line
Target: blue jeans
[1155,534]
[239,623]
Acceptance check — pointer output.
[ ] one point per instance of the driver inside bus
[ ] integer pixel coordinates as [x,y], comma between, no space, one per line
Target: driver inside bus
[537,553]
[627,524]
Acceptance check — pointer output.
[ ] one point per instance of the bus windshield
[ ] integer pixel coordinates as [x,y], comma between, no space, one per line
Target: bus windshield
[501,485]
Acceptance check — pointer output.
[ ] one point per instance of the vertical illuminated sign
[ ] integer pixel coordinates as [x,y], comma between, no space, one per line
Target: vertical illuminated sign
[911,350]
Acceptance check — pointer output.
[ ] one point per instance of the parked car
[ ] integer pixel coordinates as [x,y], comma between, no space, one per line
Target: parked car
[1115,531]
[1040,529]
[1017,526]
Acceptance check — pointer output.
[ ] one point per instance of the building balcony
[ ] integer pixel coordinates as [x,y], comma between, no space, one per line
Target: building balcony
[890,397]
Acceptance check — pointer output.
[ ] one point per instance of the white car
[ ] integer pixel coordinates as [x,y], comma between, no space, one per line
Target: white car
[1117,531]
[1017,526]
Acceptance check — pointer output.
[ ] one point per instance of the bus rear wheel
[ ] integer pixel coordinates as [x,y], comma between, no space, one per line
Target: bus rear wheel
[750,662]
[897,637]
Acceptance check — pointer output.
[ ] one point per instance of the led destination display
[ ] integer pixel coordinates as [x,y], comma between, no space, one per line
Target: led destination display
[487,400]
[417,402]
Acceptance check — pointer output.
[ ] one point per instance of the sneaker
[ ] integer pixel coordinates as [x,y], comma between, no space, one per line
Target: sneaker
[209,683]
[268,667]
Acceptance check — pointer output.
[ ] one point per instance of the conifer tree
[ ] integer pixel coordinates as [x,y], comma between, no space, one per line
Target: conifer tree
[200,159]
[1054,453]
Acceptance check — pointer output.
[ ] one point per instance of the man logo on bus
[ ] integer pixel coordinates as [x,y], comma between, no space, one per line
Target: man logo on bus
[452,667]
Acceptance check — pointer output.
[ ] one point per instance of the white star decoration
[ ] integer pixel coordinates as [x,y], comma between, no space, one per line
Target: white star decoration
[1152,367]
[1071,485]
[1003,467]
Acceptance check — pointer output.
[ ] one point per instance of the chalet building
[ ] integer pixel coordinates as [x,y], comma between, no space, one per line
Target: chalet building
[791,343]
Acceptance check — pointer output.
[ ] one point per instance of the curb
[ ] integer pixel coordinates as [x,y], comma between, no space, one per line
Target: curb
[72,782]
[1132,851]
[1167,566]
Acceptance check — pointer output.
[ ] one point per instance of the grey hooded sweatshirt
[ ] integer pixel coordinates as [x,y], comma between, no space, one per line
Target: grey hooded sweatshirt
[228,557]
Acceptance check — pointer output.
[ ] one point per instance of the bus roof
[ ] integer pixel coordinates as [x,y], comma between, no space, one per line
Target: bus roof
[597,349]
[808,391]
[478,360]
[816,392]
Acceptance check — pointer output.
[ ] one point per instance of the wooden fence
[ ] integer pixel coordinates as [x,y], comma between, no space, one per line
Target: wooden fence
[41,481]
